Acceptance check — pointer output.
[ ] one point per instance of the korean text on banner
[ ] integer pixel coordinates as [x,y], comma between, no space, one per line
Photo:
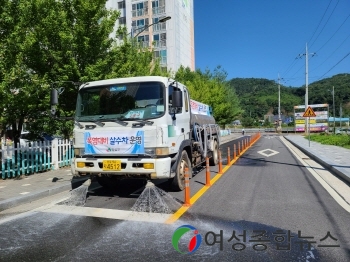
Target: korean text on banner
[199,108]
[109,143]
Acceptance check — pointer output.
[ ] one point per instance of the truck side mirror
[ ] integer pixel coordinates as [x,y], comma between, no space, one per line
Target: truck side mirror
[177,99]
[54,97]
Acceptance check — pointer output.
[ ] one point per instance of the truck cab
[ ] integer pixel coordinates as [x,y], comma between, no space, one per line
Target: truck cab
[137,127]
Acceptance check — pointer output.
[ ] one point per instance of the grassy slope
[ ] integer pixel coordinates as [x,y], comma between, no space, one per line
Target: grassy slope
[336,140]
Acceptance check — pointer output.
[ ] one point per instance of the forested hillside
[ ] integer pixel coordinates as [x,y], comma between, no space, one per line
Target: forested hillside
[259,96]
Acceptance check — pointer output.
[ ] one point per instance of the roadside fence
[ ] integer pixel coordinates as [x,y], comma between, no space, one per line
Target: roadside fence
[34,157]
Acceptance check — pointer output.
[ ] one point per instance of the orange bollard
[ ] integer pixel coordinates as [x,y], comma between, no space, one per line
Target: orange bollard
[187,188]
[242,146]
[207,172]
[220,163]
[234,151]
[228,156]
[239,148]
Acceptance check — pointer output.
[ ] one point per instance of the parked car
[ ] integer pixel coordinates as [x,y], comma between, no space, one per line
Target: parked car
[340,131]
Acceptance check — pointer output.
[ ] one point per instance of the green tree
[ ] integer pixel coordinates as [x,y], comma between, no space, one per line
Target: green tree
[211,88]
[46,44]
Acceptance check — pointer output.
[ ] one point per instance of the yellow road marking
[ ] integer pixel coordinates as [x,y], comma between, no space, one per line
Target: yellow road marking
[193,199]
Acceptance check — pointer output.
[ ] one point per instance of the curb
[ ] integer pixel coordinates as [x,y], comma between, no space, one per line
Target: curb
[330,167]
[20,200]
[16,201]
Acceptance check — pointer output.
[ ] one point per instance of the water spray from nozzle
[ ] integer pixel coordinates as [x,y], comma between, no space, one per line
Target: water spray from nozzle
[87,182]
[149,184]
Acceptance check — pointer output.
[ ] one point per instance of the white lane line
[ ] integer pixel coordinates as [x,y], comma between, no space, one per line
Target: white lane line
[24,193]
[2,186]
[107,213]
[26,184]
[325,185]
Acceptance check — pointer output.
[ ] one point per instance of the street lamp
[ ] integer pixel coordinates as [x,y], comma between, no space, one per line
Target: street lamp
[161,20]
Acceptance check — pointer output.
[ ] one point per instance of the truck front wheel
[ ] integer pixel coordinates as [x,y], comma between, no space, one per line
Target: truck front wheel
[178,182]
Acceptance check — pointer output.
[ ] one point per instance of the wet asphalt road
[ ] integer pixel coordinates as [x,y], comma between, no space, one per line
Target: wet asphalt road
[244,216]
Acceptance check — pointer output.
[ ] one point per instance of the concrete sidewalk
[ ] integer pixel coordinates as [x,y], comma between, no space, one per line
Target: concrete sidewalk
[25,189]
[336,159]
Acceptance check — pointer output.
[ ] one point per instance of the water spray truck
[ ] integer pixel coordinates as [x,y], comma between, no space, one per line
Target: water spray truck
[140,127]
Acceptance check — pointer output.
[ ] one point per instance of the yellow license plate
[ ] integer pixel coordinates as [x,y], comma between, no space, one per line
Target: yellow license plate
[112,165]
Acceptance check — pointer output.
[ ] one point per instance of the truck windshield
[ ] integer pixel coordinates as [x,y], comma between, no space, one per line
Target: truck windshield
[128,101]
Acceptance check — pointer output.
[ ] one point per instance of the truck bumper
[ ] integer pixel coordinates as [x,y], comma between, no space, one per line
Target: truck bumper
[130,168]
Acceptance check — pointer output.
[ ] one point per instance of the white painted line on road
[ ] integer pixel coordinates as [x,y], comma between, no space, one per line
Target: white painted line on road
[2,186]
[26,184]
[266,152]
[325,185]
[107,213]
[49,179]
[24,193]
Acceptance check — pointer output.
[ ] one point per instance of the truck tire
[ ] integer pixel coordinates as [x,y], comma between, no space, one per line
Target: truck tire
[214,160]
[178,182]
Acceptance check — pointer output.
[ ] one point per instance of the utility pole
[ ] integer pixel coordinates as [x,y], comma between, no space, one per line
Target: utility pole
[279,103]
[306,86]
[340,114]
[333,112]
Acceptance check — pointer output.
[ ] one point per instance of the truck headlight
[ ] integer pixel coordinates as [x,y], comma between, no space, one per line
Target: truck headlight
[158,151]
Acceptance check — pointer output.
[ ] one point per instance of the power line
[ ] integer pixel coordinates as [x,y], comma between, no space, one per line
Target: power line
[335,65]
[294,62]
[320,21]
[325,24]
[332,53]
[334,33]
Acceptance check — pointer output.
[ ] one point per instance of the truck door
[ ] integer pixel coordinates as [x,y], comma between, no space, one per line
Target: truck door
[181,125]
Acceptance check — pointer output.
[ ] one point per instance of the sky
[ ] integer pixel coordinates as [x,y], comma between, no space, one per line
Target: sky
[268,38]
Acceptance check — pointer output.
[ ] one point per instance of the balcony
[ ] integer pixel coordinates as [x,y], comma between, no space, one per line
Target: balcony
[159,44]
[159,27]
[140,12]
[158,10]
[137,29]
[163,60]
[144,44]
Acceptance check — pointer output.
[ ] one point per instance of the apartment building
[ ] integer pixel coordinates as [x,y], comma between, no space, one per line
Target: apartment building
[172,40]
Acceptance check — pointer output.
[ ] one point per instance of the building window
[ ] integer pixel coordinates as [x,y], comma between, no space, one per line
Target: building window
[122,20]
[159,40]
[139,25]
[121,5]
[158,7]
[158,26]
[162,55]
[140,9]
[144,40]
